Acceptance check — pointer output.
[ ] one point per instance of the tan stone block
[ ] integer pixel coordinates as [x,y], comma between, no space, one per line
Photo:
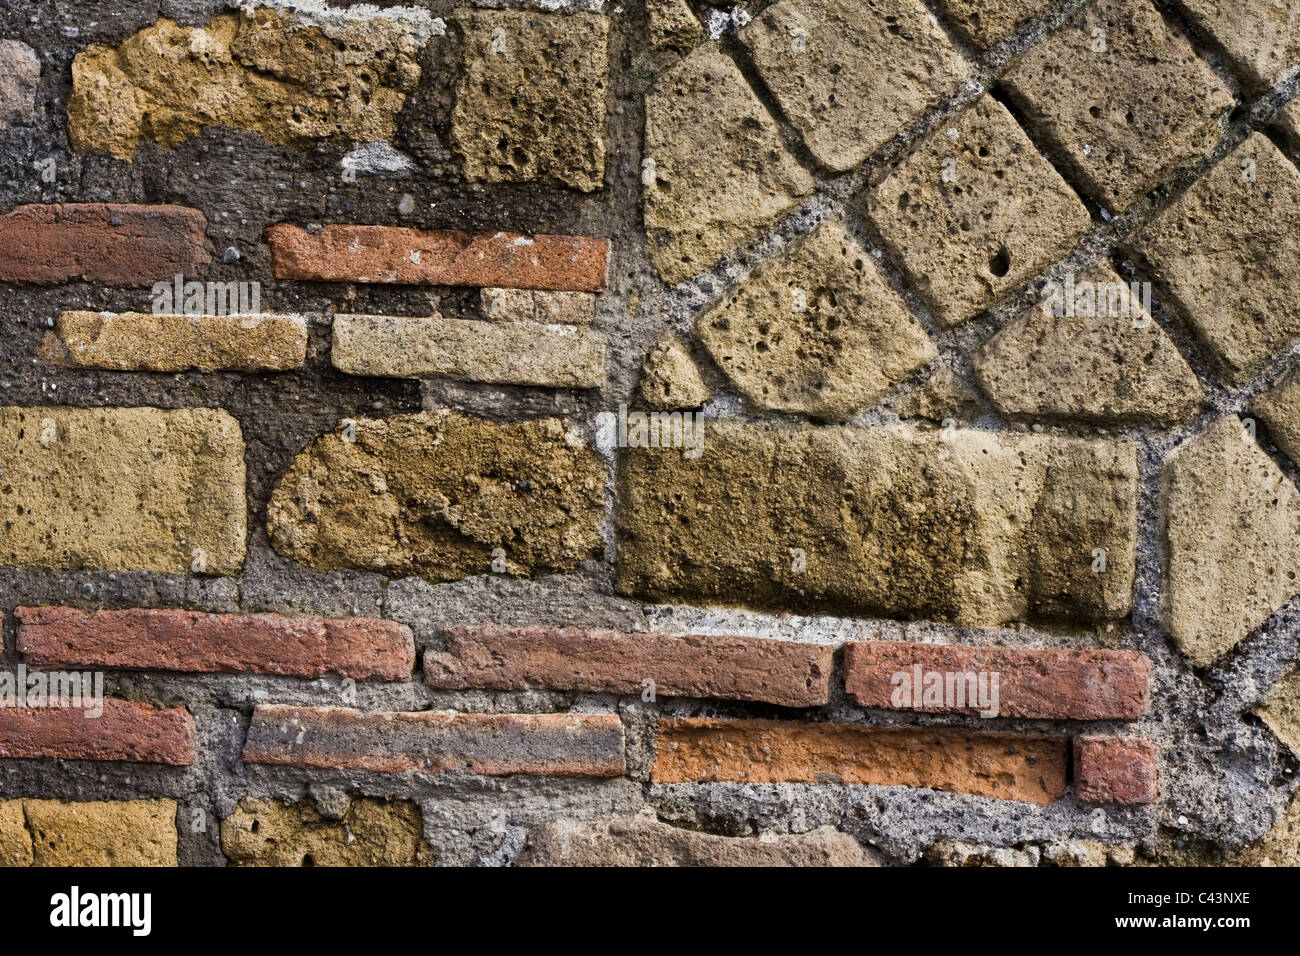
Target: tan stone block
[975,212]
[1230,517]
[135,341]
[849,75]
[103,833]
[720,172]
[371,832]
[1229,254]
[1121,99]
[532,97]
[514,353]
[817,331]
[122,488]
[442,495]
[1088,352]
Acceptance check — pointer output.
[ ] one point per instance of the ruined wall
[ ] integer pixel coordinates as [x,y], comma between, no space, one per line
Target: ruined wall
[331,337]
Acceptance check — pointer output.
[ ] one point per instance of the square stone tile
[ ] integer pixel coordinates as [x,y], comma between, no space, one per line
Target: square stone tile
[1119,98]
[531,102]
[975,212]
[986,23]
[1229,252]
[850,75]
[715,171]
[1260,37]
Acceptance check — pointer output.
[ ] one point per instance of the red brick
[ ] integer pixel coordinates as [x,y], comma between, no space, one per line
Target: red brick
[1034,684]
[1010,766]
[736,668]
[125,731]
[559,745]
[394,254]
[1115,770]
[174,640]
[110,243]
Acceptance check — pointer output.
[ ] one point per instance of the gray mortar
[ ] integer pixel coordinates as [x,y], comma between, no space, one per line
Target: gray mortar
[1224,778]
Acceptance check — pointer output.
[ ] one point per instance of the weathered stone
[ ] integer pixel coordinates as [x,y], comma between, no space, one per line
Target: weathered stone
[943,397]
[394,254]
[127,833]
[1233,555]
[644,841]
[516,353]
[670,378]
[1052,853]
[1230,257]
[720,172]
[429,742]
[114,244]
[371,832]
[441,495]
[1279,409]
[672,25]
[1007,766]
[297,79]
[1288,120]
[1282,710]
[1121,99]
[848,75]
[969,526]
[135,341]
[532,305]
[973,216]
[129,488]
[531,99]
[816,332]
[15,838]
[790,673]
[986,23]
[1261,37]
[1103,361]
[20,72]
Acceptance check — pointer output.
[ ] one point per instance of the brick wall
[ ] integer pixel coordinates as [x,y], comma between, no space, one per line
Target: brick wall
[519,433]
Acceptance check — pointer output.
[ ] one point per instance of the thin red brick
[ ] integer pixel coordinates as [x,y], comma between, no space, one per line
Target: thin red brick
[737,668]
[126,730]
[1034,684]
[1120,770]
[1010,766]
[395,254]
[175,640]
[561,745]
[110,243]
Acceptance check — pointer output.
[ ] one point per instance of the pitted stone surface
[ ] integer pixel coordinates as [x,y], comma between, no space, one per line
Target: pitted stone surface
[1232,532]
[295,81]
[1261,37]
[443,496]
[986,23]
[975,211]
[1121,98]
[670,378]
[371,833]
[718,170]
[850,75]
[1229,255]
[1098,357]
[971,527]
[531,102]
[816,332]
